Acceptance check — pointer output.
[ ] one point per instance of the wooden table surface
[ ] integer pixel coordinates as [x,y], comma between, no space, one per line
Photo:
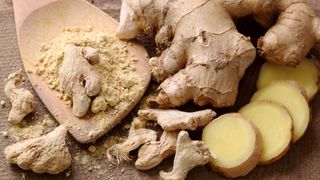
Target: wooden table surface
[301,162]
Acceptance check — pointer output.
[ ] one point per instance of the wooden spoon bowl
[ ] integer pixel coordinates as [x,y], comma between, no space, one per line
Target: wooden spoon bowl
[39,21]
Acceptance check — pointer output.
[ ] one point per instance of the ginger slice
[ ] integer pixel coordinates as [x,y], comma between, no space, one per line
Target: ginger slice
[306,74]
[138,136]
[154,152]
[189,154]
[45,154]
[290,95]
[275,126]
[21,99]
[171,120]
[236,143]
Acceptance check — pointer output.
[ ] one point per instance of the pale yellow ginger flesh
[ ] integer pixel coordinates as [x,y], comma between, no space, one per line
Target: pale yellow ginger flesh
[204,56]
[79,78]
[290,95]
[236,143]
[45,154]
[171,120]
[120,83]
[275,126]
[138,136]
[21,99]
[189,154]
[153,153]
[306,74]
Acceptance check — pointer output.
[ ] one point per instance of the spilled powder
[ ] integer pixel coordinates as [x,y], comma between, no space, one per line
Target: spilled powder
[25,131]
[121,84]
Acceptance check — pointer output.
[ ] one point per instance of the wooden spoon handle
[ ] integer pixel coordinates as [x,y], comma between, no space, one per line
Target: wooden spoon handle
[23,8]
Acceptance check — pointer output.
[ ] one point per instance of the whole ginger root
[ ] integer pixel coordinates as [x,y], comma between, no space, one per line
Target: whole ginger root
[79,78]
[22,100]
[171,120]
[45,154]
[189,154]
[138,136]
[153,153]
[204,56]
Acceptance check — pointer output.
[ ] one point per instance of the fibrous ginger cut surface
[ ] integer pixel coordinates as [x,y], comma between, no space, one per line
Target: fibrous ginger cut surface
[275,126]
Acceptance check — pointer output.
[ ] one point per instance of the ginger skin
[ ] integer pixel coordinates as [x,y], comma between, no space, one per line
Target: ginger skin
[189,154]
[21,99]
[79,78]
[153,153]
[171,120]
[45,154]
[138,136]
[204,56]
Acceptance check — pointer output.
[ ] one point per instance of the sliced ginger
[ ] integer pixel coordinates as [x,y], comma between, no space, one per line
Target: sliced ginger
[291,96]
[306,73]
[236,143]
[275,126]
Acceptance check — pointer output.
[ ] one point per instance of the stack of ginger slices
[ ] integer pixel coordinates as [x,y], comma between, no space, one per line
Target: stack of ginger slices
[263,130]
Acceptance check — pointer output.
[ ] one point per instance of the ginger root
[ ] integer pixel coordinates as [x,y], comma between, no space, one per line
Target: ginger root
[171,120]
[306,74]
[275,126]
[293,97]
[204,52]
[79,78]
[138,136]
[236,142]
[189,154]
[204,56]
[21,99]
[153,153]
[45,154]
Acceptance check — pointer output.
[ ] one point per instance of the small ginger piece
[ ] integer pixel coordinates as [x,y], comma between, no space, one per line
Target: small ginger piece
[45,154]
[189,154]
[78,77]
[306,74]
[171,120]
[99,104]
[138,136]
[21,99]
[275,126]
[236,143]
[293,97]
[153,153]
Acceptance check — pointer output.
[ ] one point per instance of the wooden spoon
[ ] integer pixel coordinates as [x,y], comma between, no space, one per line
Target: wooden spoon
[39,21]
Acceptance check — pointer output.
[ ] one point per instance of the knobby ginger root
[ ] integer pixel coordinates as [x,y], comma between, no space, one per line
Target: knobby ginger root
[200,40]
[293,97]
[138,136]
[204,55]
[236,143]
[153,153]
[171,120]
[275,126]
[189,154]
[45,154]
[21,99]
[79,78]
[306,74]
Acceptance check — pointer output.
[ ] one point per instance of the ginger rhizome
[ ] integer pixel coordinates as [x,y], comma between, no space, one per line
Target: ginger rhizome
[236,143]
[153,153]
[171,120]
[78,77]
[21,99]
[138,136]
[204,56]
[45,154]
[189,154]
